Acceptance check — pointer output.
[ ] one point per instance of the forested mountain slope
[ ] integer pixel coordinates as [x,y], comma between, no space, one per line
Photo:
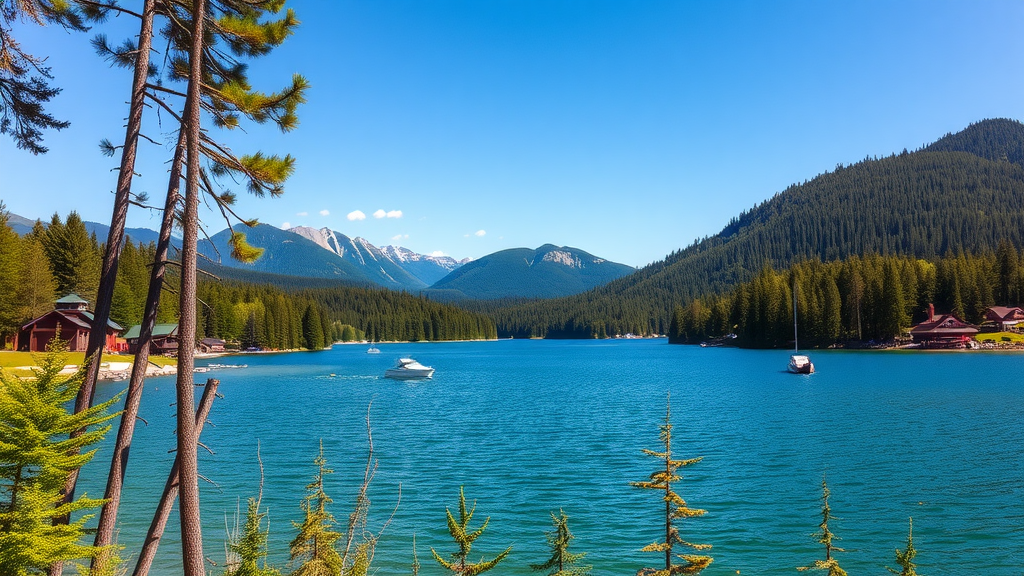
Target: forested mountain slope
[964,192]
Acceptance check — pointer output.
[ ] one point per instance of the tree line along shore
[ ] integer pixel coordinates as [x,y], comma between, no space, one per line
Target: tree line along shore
[856,300]
[62,258]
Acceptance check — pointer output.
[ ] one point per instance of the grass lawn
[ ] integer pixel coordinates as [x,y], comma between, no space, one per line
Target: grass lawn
[163,361]
[1001,337]
[10,359]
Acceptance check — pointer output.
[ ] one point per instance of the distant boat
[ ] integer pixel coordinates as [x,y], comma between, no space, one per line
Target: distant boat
[798,363]
[408,369]
[373,350]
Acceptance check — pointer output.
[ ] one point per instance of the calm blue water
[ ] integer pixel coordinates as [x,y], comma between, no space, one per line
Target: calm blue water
[529,427]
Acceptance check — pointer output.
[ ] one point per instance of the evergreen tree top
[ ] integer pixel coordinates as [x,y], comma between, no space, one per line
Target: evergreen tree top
[464,538]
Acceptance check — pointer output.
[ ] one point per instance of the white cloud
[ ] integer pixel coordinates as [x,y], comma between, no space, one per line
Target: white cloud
[286,225]
[325,212]
[356,215]
[465,235]
[302,214]
[437,254]
[389,214]
[394,214]
[379,214]
[480,233]
[400,237]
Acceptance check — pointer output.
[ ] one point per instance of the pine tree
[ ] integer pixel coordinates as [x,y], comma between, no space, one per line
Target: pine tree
[675,508]
[905,557]
[249,549]
[10,265]
[459,529]
[36,456]
[562,562]
[313,547]
[825,537]
[73,260]
[312,329]
[205,55]
[36,288]
[24,88]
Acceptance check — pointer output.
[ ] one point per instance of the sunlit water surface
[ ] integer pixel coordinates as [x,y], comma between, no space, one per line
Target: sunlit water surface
[529,427]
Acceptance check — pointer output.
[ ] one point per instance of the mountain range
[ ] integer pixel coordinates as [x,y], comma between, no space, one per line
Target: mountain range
[291,255]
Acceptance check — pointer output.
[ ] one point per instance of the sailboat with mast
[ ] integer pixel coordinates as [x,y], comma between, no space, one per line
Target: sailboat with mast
[798,363]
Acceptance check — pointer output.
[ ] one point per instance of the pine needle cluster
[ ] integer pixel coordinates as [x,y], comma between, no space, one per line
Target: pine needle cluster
[24,79]
[675,509]
[464,538]
[36,456]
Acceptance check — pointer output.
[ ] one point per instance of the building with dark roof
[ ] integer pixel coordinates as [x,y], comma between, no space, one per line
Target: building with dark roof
[211,345]
[164,340]
[71,316]
[1006,318]
[943,331]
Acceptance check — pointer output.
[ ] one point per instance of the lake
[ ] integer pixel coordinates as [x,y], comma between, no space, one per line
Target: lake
[529,427]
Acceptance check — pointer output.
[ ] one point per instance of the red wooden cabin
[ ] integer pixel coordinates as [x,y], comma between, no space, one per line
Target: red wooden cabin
[71,315]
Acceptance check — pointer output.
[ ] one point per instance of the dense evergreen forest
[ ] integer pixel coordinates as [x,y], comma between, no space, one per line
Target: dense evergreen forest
[964,193]
[62,258]
[859,298]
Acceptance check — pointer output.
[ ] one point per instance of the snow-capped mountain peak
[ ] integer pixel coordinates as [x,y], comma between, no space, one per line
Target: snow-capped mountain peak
[388,262]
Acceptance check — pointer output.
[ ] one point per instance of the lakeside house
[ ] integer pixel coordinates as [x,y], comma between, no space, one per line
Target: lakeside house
[1006,318]
[211,345]
[72,317]
[164,340]
[943,331]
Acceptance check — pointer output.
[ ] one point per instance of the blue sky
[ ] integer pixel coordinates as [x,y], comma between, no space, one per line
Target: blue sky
[627,129]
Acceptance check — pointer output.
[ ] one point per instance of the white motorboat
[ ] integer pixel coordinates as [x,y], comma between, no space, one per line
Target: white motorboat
[408,369]
[373,350]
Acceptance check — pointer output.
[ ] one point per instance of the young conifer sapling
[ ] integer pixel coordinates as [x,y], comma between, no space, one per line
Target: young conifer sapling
[825,537]
[676,508]
[464,538]
[562,562]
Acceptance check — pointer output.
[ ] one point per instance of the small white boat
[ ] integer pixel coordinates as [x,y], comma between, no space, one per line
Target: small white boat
[373,350]
[800,364]
[408,369]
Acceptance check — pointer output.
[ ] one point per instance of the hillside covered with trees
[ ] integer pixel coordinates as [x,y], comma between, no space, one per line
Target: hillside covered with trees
[963,193]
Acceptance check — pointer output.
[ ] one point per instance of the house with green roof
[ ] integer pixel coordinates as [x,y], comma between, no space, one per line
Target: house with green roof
[164,340]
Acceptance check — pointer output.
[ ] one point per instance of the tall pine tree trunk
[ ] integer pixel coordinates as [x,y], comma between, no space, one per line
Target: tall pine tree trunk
[163,510]
[115,240]
[188,497]
[119,459]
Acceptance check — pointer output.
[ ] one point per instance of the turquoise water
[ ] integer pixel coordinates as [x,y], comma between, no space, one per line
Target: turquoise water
[529,427]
